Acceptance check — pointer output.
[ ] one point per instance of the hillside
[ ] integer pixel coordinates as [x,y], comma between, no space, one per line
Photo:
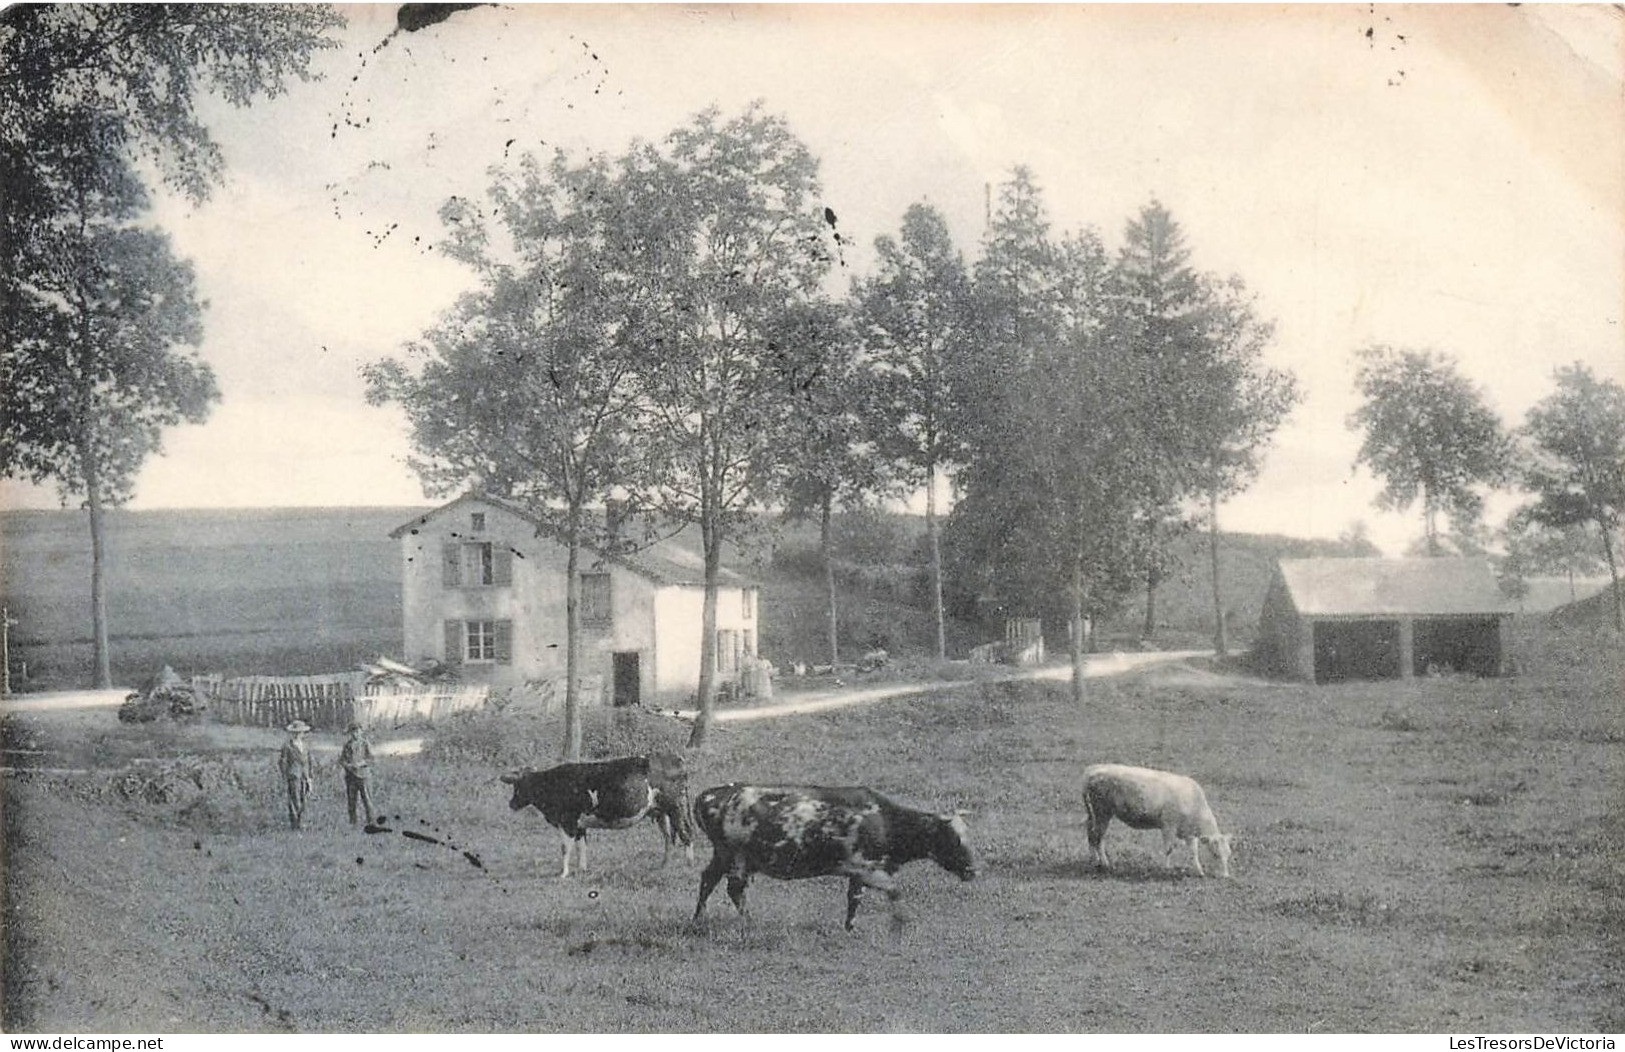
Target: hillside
[300,590]
[255,591]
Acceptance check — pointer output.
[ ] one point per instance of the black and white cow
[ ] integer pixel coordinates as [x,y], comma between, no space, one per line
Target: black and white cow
[608,794]
[790,832]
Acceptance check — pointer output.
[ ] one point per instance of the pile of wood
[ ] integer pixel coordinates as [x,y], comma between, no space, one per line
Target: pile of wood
[165,695]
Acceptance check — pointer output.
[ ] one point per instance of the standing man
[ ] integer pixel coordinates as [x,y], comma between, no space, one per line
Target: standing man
[356,759]
[295,763]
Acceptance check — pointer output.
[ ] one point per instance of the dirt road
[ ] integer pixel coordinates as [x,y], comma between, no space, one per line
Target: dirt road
[83,704]
[1098,665]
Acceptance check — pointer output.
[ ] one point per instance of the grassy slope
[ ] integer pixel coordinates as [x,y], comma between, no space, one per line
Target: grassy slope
[1429,856]
[262,591]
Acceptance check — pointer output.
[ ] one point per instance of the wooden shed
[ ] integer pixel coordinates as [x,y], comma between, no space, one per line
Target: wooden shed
[1327,620]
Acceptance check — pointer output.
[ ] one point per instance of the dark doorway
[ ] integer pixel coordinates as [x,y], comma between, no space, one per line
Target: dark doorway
[1356,650]
[1469,645]
[627,678]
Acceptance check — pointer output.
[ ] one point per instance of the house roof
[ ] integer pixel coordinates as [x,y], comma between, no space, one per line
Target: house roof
[666,561]
[1343,587]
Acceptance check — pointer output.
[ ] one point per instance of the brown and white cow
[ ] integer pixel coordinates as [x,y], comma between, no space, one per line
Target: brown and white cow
[608,794]
[1142,798]
[795,831]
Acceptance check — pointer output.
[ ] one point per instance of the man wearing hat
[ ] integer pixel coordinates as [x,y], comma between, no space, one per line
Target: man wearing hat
[356,759]
[295,763]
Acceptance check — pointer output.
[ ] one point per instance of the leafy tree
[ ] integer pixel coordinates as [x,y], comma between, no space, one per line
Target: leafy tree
[1533,548]
[92,375]
[732,244]
[1577,465]
[1428,434]
[912,317]
[1063,457]
[91,306]
[1355,541]
[526,387]
[831,429]
[1158,315]
[1243,402]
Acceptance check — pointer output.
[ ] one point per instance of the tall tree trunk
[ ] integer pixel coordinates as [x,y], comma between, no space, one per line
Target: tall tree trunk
[712,543]
[1221,644]
[1613,576]
[98,582]
[826,544]
[934,537]
[572,638]
[1078,608]
[1153,577]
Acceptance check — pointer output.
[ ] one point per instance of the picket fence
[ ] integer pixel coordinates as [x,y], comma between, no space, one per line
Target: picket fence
[332,702]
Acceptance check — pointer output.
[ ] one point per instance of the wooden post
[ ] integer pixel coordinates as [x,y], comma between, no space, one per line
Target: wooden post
[6,622]
[1407,648]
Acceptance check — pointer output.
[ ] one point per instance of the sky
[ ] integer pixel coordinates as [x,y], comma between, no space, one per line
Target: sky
[1448,177]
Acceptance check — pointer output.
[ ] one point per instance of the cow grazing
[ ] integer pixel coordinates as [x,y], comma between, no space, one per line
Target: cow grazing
[790,832]
[1146,799]
[608,794]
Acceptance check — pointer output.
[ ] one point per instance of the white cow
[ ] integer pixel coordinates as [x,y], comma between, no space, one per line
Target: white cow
[1146,799]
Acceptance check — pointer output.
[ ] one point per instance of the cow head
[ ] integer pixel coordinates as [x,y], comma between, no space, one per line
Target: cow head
[1219,844]
[951,849]
[521,796]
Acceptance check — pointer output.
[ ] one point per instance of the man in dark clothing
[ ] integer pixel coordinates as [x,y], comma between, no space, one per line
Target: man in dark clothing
[356,759]
[294,760]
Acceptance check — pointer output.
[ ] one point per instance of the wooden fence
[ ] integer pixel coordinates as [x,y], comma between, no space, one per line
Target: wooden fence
[331,702]
[391,707]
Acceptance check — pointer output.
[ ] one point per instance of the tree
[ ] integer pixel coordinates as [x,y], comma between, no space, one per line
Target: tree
[732,244]
[1158,316]
[1577,465]
[91,374]
[1532,548]
[1243,403]
[91,306]
[832,429]
[1062,457]
[912,317]
[1428,434]
[526,387]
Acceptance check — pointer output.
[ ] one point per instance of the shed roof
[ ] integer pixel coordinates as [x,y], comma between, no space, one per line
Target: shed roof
[1437,587]
[665,561]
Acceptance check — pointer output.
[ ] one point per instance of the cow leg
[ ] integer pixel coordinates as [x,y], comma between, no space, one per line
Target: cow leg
[854,896]
[736,891]
[1196,856]
[708,881]
[876,879]
[1097,834]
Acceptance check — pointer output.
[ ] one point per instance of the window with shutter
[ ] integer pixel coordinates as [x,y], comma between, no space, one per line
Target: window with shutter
[596,599]
[479,642]
[502,634]
[454,642]
[727,650]
[478,565]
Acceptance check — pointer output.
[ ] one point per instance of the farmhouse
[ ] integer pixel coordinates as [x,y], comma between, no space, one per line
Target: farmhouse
[1334,619]
[483,588]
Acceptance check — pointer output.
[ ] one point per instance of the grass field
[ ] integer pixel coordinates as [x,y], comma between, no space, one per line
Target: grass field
[1442,855]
